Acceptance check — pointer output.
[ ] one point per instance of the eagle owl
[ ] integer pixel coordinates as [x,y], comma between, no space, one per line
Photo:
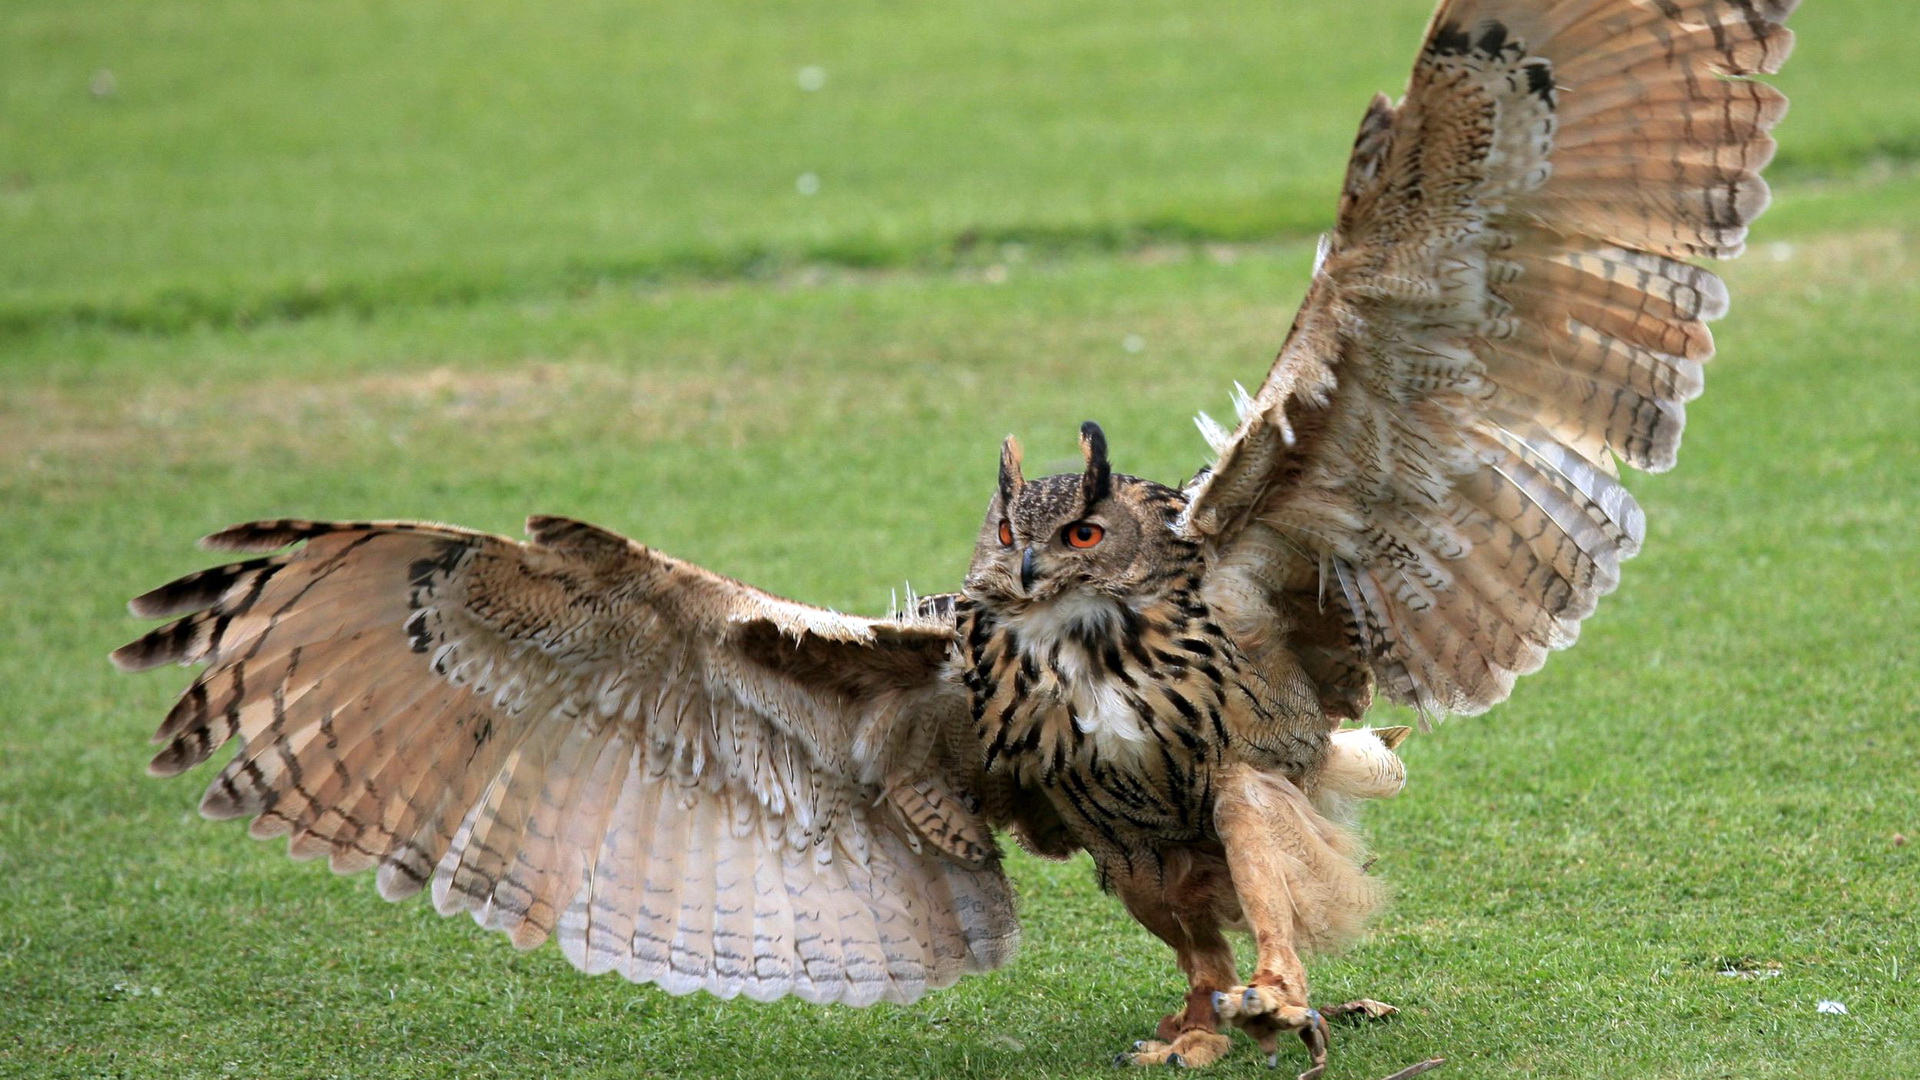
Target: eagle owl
[697,784]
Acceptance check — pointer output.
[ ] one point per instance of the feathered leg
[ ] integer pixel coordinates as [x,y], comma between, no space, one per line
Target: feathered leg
[1178,906]
[1295,879]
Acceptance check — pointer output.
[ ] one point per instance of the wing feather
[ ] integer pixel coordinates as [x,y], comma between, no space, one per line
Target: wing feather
[1426,484]
[607,913]
[679,776]
[774,953]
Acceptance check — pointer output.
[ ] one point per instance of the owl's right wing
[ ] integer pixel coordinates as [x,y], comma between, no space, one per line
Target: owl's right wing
[689,781]
[1426,481]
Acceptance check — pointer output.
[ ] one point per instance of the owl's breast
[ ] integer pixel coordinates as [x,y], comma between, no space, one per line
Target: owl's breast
[1120,715]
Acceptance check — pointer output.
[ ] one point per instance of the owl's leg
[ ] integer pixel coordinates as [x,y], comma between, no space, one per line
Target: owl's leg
[1190,1037]
[1256,834]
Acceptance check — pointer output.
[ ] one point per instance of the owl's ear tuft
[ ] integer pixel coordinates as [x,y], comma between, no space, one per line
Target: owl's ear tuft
[1010,479]
[1097,482]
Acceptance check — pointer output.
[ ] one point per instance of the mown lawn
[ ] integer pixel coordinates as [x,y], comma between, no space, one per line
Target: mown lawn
[466,262]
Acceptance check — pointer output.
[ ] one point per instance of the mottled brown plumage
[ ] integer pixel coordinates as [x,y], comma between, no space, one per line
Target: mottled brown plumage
[702,786]
[678,775]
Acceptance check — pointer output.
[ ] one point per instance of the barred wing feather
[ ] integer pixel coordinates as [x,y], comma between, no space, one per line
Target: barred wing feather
[1426,481]
[682,778]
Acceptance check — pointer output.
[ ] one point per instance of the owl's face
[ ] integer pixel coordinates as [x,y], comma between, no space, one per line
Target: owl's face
[1092,534]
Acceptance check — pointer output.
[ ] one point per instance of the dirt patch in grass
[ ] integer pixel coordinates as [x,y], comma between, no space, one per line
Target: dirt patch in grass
[40,426]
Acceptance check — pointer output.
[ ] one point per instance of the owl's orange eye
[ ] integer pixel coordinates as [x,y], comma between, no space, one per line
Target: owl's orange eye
[1082,534]
[1006,533]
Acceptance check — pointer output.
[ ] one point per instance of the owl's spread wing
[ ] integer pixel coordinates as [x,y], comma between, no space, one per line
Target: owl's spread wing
[1426,479]
[690,781]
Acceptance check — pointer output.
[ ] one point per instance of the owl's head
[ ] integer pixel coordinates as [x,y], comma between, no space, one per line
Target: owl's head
[1095,533]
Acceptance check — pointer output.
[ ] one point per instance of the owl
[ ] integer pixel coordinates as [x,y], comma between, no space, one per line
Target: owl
[699,785]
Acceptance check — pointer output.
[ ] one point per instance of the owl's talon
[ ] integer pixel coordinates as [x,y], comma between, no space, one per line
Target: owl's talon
[1318,1038]
[1192,1049]
[1266,1012]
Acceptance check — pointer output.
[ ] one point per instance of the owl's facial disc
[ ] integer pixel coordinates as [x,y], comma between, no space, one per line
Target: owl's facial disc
[1044,541]
[1093,534]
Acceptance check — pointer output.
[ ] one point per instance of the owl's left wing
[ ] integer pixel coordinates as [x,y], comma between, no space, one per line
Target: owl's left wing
[685,779]
[1426,483]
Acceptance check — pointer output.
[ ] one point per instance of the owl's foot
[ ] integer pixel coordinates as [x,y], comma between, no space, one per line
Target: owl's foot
[1190,1038]
[1190,1050]
[1266,1013]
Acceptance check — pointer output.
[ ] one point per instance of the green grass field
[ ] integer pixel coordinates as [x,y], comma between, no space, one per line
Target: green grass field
[470,261]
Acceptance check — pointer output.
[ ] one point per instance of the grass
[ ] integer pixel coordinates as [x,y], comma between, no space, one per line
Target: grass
[808,395]
[267,160]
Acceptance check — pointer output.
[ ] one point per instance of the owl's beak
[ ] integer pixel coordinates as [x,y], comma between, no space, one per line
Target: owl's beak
[1026,570]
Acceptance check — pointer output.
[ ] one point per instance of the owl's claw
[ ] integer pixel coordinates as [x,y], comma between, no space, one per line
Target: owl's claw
[1318,1039]
[1191,1050]
[1264,1013]
[1263,1007]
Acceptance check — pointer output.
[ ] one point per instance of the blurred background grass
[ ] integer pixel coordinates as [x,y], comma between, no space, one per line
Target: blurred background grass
[470,261]
[183,160]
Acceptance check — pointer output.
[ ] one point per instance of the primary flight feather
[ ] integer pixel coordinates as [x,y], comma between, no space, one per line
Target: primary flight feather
[699,785]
